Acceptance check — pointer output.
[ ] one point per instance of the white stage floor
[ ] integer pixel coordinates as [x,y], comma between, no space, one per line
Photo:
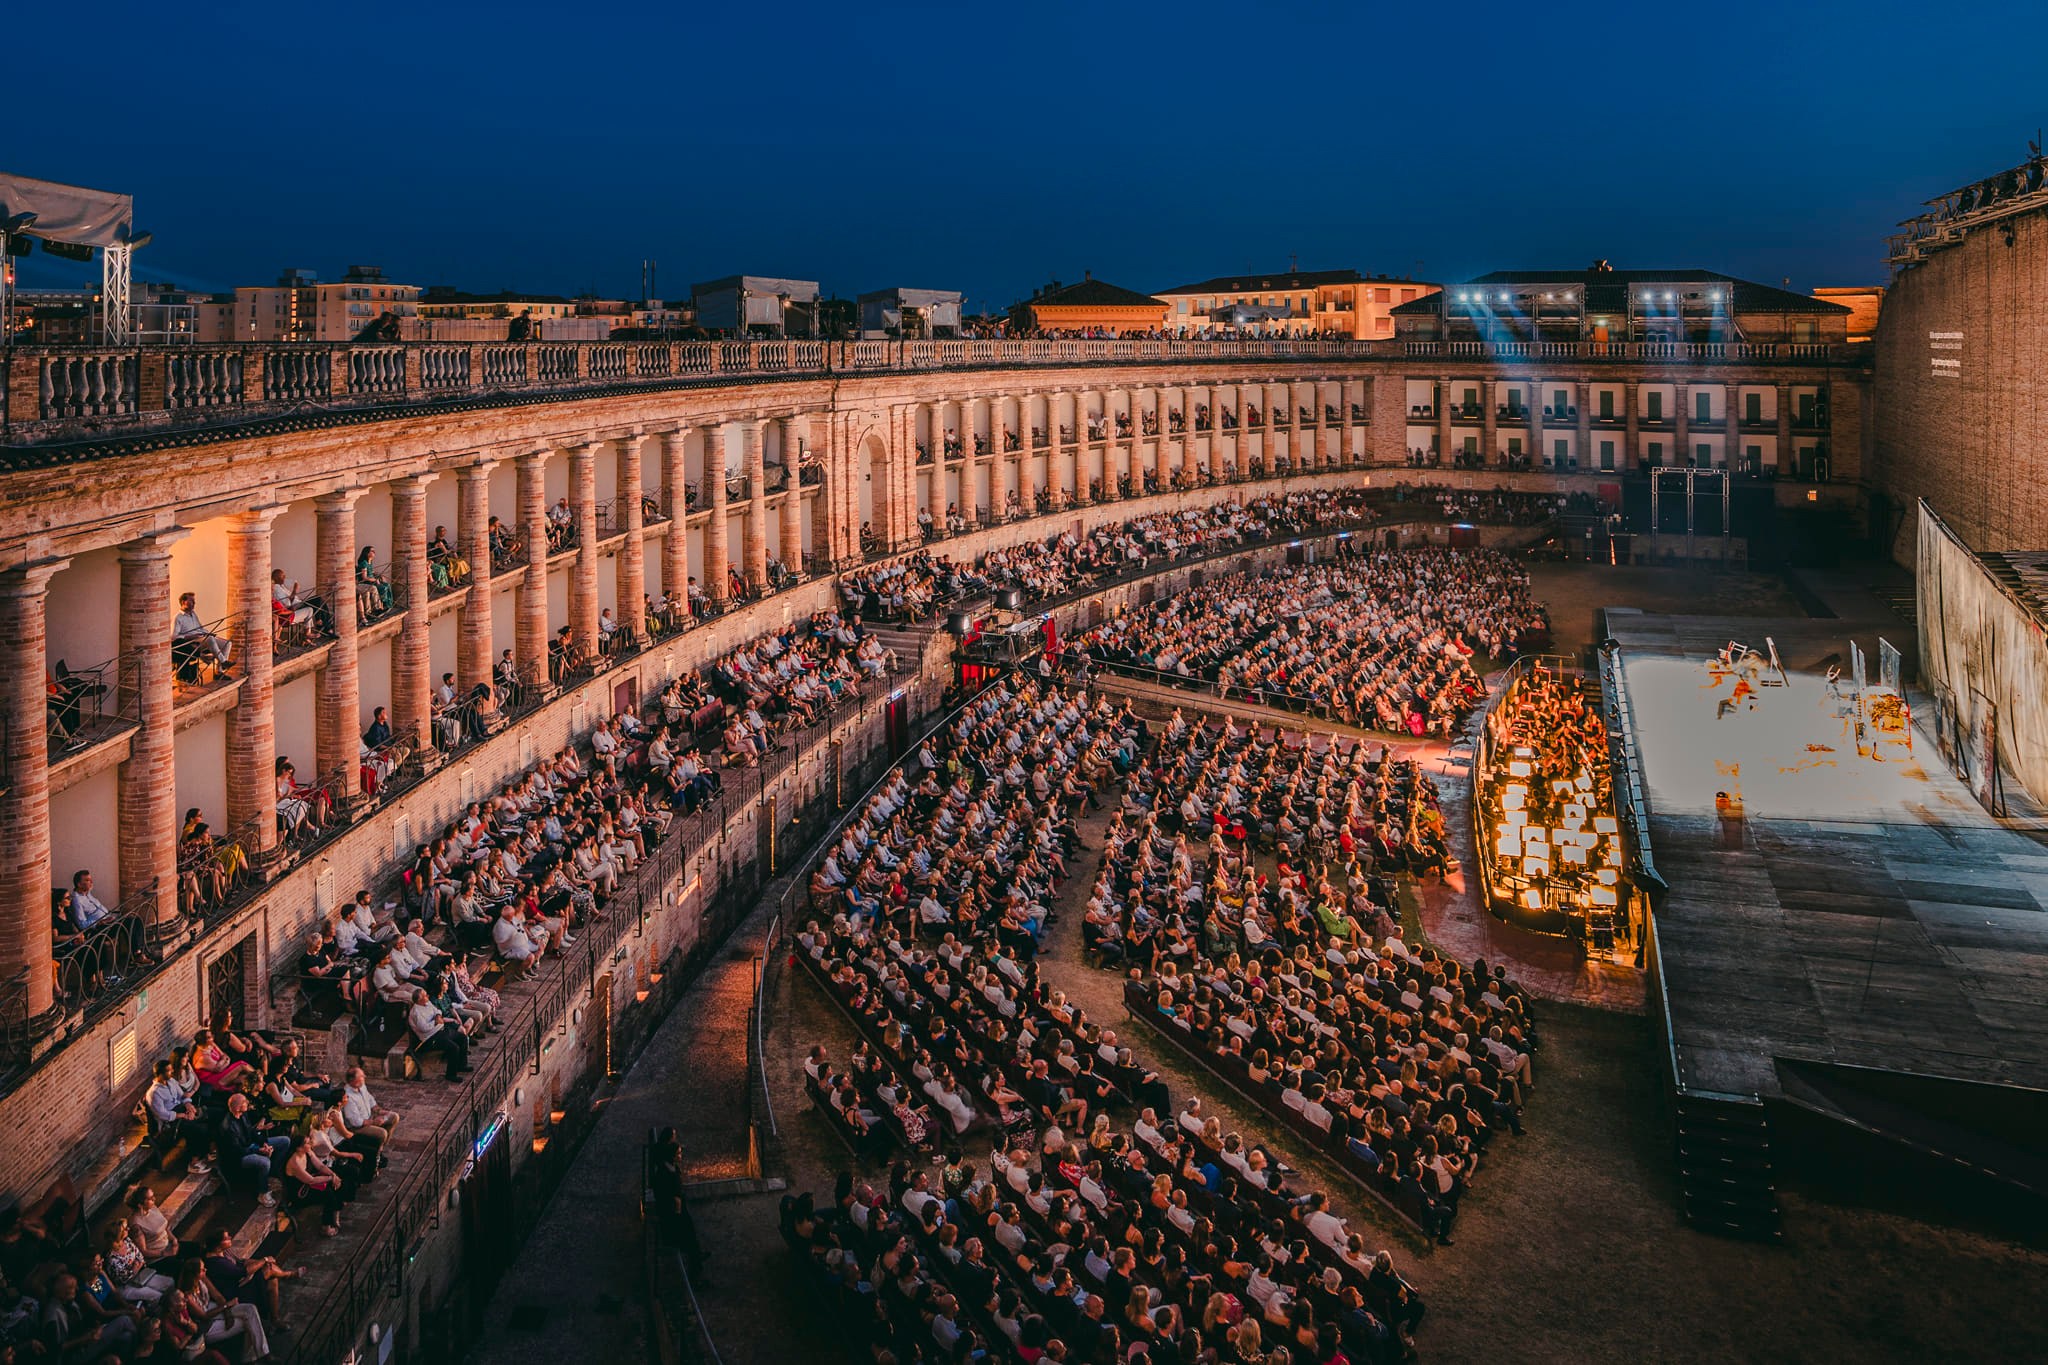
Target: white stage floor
[1863,913]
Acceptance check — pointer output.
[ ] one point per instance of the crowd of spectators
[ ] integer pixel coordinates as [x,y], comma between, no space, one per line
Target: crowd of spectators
[1248,887]
[911,587]
[1501,506]
[247,1106]
[1382,639]
[1083,1238]
[1068,563]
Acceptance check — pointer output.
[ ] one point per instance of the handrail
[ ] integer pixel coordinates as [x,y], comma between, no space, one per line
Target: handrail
[62,394]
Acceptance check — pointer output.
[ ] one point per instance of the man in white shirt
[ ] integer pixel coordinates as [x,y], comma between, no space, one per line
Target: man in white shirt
[192,638]
[434,1031]
[517,942]
[171,1111]
[1324,1226]
[919,1196]
[360,1110]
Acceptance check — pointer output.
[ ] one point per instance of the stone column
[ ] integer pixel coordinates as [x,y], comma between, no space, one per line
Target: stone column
[1631,447]
[827,521]
[675,546]
[1307,435]
[412,668]
[1027,474]
[1731,428]
[1489,417]
[1110,444]
[1216,392]
[583,599]
[1346,456]
[530,624]
[1443,418]
[754,460]
[1582,395]
[793,496]
[1683,437]
[252,724]
[25,938]
[147,798]
[715,533]
[473,655]
[971,505]
[1537,453]
[339,705]
[1783,461]
[632,565]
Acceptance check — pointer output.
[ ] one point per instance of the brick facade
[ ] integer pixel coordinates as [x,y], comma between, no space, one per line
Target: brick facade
[1967,435]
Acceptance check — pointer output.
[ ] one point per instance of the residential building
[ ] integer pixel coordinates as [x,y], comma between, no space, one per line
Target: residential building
[300,308]
[1615,370]
[1340,303]
[441,301]
[1864,302]
[1092,306]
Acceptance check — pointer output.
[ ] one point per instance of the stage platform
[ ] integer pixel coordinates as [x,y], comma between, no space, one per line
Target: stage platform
[1863,913]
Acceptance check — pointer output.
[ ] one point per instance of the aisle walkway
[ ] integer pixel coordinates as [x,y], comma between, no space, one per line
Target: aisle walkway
[579,1274]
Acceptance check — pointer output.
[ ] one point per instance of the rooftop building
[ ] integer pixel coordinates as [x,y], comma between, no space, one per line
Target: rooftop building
[1092,306]
[1601,304]
[1322,302]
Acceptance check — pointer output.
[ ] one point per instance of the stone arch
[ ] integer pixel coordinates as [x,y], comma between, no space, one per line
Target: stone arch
[876,500]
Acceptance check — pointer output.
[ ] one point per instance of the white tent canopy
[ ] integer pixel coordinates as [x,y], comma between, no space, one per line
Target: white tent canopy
[68,213]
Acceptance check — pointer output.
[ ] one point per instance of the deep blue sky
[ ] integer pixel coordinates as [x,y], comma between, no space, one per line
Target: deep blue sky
[989,148]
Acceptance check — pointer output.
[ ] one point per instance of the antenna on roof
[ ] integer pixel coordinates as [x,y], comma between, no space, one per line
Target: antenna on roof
[1293,263]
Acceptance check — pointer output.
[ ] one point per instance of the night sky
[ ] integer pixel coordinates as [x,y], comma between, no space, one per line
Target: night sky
[989,148]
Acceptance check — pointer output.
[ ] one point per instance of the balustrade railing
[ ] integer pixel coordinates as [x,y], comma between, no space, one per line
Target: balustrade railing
[93,385]
[292,375]
[444,367]
[196,380]
[55,392]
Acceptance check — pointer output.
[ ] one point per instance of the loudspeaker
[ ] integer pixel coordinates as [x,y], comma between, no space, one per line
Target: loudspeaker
[1009,599]
[959,623]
